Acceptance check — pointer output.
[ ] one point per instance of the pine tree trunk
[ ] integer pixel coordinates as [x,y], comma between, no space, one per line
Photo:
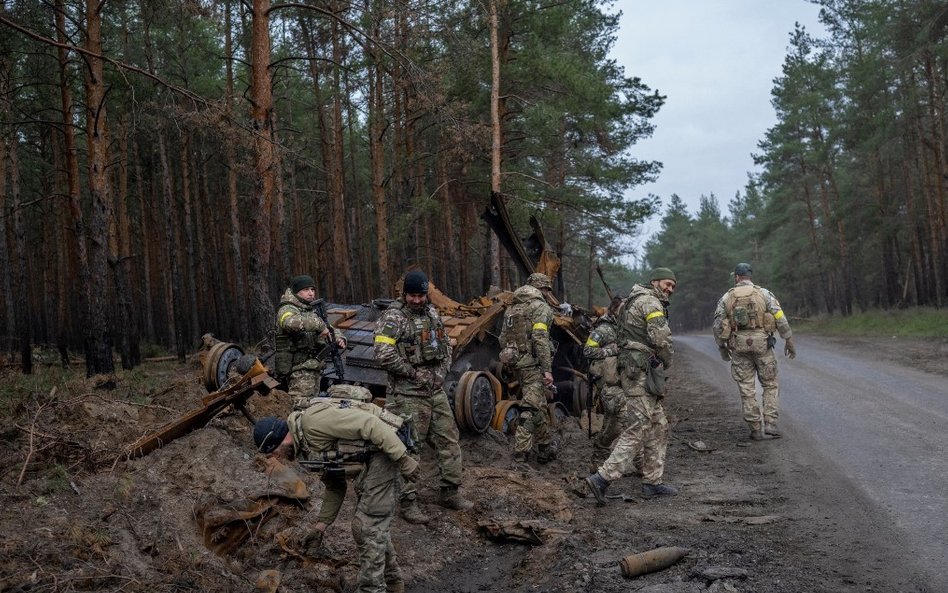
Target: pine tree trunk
[187,227]
[496,137]
[20,264]
[98,338]
[261,307]
[340,239]
[377,156]
[236,259]
[174,292]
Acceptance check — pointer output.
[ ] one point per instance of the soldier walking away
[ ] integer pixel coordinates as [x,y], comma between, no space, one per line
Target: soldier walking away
[528,351]
[302,338]
[342,434]
[412,345]
[744,324]
[645,353]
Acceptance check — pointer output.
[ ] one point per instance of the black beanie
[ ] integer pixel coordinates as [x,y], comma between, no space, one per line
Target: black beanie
[415,283]
[301,282]
[269,432]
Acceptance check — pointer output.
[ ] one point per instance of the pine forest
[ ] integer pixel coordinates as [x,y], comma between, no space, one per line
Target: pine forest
[166,166]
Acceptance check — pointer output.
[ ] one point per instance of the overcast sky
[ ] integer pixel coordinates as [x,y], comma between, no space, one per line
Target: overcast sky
[715,61]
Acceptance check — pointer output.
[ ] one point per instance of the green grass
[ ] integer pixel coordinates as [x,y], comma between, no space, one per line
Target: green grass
[916,322]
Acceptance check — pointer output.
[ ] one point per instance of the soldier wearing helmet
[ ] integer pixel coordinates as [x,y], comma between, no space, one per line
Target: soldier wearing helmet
[528,352]
[745,320]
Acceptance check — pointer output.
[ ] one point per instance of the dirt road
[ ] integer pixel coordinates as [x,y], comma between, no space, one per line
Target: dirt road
[876,427]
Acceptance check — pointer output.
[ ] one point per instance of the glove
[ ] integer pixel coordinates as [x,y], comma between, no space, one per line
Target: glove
[566,309]
[610,350]
[725,353]
[788,349]
[408,467]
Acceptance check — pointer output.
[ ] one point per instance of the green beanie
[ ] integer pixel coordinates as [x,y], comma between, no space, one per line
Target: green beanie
[662,274]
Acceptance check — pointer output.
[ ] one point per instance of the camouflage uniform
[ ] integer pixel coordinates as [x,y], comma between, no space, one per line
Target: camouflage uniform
[644,337]
[346,426]
[415,350]
[528,350]
[751,355]
[602,351]
[299,348]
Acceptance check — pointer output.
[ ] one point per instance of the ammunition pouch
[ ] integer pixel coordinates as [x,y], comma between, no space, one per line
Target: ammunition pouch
[293,349]
[655,377]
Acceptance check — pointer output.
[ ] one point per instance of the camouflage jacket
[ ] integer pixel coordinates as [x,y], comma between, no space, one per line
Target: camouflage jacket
[407,341]
[298,330]
[526,327]
[605,333]
[332,424]
[773,307]
[643,324]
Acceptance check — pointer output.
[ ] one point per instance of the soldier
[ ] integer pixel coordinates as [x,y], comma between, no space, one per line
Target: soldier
[744,324]
[358,433]
[411,344]
[527,349]
[602,351]
[645,353]
[302,338]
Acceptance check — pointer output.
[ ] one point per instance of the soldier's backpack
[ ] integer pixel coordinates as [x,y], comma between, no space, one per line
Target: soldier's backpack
[747,310]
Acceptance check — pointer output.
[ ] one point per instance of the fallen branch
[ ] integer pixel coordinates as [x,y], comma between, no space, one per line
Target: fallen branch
[29,453]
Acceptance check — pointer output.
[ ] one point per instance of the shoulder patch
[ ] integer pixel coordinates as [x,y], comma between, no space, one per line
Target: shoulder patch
[389,328]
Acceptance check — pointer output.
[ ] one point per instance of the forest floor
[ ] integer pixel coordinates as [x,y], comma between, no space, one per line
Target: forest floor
[75,517]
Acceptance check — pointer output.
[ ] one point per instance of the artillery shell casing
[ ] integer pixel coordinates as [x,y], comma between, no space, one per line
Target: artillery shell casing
[646,562]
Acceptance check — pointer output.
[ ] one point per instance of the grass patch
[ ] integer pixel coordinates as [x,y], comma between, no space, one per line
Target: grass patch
[919,322]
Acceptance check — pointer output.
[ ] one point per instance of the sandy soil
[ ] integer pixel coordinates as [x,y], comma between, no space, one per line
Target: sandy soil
[83,521]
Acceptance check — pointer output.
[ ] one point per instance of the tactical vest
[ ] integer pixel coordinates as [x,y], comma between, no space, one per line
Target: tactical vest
[634,341]
[426,342]
[634,333]
[746,310]
[294,348]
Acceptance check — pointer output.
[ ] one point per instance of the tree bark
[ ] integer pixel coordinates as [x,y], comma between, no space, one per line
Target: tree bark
[377,157]
[98,338]
[496,137]
[340,240]
[261,307]
[236,260]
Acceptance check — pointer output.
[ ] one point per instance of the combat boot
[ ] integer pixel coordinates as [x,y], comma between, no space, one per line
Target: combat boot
[545,453]
[771,429]
[451,499]
[653,490]
[411,513]
[598,486]
[521,456]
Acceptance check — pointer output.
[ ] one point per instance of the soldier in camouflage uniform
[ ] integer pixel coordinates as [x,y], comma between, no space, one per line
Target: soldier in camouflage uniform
[602,351]
[744,324]
[527,349]
[645,352]
[301,341]
[364,435]
[412,345]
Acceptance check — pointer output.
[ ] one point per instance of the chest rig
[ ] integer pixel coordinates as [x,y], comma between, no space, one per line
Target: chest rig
[425,341]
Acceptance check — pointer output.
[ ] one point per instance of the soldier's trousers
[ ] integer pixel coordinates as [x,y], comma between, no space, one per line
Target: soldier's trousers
[645,436]
[333,497]
[534,423]
[761,365]
[303,385]
[371,525]
[614,420]
[435,425]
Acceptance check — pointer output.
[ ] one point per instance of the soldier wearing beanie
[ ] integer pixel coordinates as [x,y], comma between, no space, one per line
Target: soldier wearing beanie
[745,320]
[412,345]
[645,352]
[302,339]
[364,438]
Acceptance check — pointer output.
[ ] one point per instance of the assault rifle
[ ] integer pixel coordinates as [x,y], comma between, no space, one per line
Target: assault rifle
[591,381]
[319,305]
